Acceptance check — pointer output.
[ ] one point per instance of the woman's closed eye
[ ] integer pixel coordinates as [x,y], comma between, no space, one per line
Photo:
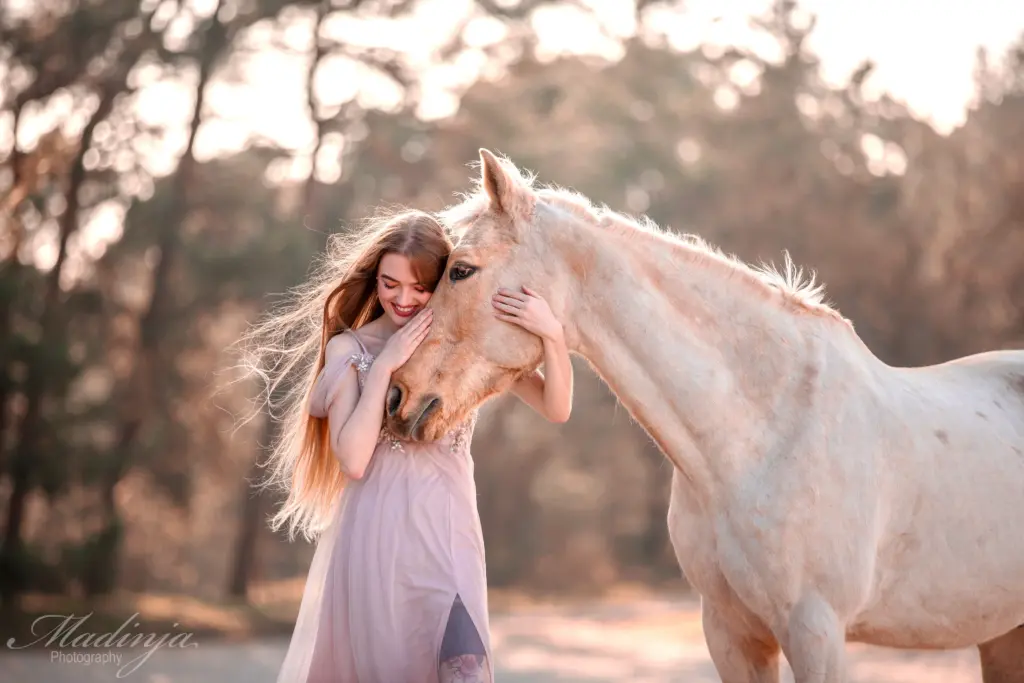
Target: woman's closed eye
[419,289]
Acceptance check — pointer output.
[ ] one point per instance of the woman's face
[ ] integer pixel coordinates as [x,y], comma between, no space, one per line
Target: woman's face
[398,289]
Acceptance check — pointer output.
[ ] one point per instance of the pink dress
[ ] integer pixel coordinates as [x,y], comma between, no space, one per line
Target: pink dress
[403,544]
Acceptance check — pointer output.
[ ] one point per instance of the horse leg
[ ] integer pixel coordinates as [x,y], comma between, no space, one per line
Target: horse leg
[814,642]
[1002,659]
[739,656]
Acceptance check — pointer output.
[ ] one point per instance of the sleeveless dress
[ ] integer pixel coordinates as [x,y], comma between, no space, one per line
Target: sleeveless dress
[398,577]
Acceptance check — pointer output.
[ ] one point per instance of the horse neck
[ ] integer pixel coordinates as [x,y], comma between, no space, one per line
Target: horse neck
[702,358]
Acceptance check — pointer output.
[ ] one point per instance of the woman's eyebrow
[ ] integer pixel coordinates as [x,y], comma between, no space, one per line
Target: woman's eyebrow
[396,281]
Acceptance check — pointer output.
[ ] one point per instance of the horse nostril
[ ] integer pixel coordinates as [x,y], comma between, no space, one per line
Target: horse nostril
[394,401]
[431,405]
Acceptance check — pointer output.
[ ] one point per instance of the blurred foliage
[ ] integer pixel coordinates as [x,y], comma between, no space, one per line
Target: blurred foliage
[120,466]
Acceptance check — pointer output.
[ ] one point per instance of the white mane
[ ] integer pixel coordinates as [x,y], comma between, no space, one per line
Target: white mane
[797,287]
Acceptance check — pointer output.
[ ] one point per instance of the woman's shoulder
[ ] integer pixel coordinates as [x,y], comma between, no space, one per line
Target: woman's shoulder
[342,352]
[342,347]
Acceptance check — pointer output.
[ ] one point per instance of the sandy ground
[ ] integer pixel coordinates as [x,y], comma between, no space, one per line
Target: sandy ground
[640,641]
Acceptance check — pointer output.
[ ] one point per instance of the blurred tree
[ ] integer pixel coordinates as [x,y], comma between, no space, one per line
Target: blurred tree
[118,467]
[50,352]
[95,57]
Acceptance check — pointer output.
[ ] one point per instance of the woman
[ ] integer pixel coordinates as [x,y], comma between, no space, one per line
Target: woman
[397,589]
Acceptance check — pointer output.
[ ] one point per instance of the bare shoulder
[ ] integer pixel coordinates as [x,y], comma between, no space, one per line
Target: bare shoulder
[336,375]
[341,347]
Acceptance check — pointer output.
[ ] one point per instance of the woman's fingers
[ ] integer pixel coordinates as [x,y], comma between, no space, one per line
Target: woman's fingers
[411,345]
[505,308]
[516,303]
[421,335]
[508,293]
[422,319]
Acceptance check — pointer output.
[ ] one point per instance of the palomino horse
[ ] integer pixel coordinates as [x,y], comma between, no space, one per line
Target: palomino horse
[818,494]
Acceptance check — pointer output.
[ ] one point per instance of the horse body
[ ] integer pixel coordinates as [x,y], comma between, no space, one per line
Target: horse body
[893,494]
[893,502]
[818,494]
[950,568]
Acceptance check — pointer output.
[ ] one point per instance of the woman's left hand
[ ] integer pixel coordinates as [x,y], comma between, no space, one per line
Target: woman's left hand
[528,310]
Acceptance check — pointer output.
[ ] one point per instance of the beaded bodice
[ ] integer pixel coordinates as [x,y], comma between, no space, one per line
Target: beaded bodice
[458,438]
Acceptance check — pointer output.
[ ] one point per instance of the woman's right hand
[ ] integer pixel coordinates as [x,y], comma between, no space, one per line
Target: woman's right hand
[403,342]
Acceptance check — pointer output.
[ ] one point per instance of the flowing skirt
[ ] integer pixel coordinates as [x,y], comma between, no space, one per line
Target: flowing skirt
[403,548]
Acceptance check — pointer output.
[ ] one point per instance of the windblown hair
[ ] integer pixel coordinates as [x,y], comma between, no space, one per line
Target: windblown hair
[286,351]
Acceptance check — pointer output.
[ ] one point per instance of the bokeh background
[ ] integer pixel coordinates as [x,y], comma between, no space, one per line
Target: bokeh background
[170,167]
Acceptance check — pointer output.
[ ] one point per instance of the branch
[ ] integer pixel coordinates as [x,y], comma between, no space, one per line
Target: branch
[319,51]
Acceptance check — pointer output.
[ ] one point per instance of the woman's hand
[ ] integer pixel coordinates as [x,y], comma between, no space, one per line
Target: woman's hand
[528,310]
[550,392]
[403,342]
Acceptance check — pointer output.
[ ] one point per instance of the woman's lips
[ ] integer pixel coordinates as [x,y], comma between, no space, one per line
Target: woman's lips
[404,311]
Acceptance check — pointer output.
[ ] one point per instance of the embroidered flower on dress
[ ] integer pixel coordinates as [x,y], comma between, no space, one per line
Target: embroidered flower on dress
[386,435]
[362,361]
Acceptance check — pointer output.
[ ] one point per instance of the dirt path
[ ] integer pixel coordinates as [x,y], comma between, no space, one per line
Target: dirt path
[649,641]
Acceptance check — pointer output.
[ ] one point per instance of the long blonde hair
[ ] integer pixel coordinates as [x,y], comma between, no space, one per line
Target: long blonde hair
[286,350]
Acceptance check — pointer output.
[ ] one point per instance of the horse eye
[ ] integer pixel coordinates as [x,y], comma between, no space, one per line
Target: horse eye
[460,272]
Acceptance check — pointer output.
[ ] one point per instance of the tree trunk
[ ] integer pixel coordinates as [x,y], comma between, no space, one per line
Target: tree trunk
[249,522]
[15,228]
[319,52]
[139,393]
[24,456]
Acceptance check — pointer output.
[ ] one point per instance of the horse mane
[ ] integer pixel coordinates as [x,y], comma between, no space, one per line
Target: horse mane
[797,288]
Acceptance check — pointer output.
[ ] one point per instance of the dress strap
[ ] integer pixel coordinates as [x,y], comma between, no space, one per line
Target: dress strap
[327,380]
[359,341]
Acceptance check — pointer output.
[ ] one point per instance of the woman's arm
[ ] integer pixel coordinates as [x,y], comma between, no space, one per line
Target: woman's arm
[355,417]
[550,392]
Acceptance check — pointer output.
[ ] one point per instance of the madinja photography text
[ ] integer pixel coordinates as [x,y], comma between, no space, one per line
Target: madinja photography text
[71,642]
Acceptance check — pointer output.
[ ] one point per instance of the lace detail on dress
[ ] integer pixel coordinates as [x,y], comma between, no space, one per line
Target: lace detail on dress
[386,435]
[362,361]
[460,436]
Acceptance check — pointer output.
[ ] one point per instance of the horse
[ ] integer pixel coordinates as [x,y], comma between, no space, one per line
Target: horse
[818,494]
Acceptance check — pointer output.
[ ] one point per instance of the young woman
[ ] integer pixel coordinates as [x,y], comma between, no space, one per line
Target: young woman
[396,592]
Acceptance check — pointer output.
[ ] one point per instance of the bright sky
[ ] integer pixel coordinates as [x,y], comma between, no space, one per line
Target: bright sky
[924,51]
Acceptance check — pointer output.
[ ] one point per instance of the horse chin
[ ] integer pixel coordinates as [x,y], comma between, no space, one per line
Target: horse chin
[429,429]
[444,425]
[435,427]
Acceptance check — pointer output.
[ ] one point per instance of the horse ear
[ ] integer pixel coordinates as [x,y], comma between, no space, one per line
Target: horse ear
[506,192]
